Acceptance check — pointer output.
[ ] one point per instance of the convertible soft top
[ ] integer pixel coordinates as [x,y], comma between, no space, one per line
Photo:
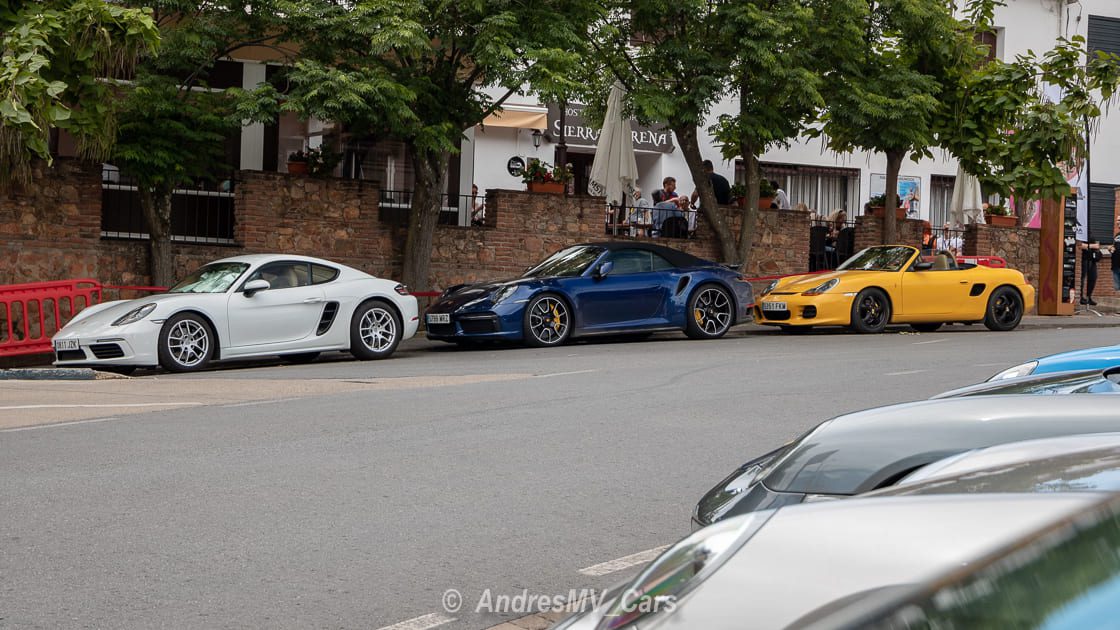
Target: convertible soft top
[675,257]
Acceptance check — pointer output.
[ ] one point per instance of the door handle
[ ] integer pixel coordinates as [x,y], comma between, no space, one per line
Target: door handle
[313,300]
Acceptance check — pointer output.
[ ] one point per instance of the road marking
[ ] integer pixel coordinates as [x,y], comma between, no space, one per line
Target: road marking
[260,402]
[922,343]
[564,373]
[102,406]
[58,424]
[423,622]
[904,373]
[625,562]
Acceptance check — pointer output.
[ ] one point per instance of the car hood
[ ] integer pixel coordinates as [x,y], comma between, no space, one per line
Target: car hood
[1079,382]
[798,284]
[104,314]
[866,450]
[1089,358]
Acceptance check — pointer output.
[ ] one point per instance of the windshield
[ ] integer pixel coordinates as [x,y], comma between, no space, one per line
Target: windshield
[566,262]
[213,278]
[878,259]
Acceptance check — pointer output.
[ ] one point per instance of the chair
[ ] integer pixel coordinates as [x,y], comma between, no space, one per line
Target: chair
[818,253]
[941,262]
[845,244]
[674,227]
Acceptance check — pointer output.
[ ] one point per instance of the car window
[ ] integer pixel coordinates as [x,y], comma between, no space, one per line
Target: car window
[880,258]
[283,275]
[660,264]
[631,261]
[213,278]
[1064,579]
[321,274]
[572,261]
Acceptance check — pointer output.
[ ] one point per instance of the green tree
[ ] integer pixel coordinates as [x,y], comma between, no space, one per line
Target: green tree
[173,126]
[669,55]
[892,86]
[424,72]
[52,55]
[784,49]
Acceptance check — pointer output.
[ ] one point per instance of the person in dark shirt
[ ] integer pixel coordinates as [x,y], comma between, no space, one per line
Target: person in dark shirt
[1090,255]
[720,185]
[1116,257]
[667,192]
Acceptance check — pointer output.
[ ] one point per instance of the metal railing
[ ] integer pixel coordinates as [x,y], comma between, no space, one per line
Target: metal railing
[455,209]
[650,222]
[830,243]
[200,213]
[944,239]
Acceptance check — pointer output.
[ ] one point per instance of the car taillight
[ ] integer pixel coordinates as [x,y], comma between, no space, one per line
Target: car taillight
[401,289]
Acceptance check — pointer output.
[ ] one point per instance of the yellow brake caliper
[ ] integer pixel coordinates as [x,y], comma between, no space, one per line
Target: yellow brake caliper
[555,318]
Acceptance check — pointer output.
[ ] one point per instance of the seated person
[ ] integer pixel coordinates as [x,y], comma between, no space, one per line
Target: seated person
[664,210]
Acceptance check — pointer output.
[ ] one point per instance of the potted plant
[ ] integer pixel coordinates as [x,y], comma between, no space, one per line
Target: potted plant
[739,195]
[545,178]
[297,162]
[766,194]
[1000,216]
[877,207]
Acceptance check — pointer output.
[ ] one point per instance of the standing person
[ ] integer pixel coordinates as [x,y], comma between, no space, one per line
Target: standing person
[1090,256]
[720,185]
[668,190]
[1115,257]
[781,199]
[478,207]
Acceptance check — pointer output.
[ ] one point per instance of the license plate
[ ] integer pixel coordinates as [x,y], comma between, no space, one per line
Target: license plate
[66,344]
[439,318]
[774,306]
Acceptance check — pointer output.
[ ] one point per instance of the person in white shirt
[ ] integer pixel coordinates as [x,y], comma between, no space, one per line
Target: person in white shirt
[781,199]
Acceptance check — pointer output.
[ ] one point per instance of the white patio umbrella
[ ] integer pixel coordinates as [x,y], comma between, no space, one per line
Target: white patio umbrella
[614,172]
[968,201]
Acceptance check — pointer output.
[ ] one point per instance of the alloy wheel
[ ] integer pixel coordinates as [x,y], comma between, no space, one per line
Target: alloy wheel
[548,320]
[712,311]
[377,329]
[188,342]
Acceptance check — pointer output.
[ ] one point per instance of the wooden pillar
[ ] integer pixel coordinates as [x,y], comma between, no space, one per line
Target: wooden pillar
[1054,256]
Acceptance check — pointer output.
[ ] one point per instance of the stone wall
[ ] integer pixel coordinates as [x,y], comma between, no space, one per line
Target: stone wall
[1018,245]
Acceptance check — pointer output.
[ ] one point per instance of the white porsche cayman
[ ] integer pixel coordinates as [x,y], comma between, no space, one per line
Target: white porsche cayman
[240,307]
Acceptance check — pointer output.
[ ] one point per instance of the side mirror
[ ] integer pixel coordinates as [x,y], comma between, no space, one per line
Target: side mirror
[923,266]
[603,269]
[253,286]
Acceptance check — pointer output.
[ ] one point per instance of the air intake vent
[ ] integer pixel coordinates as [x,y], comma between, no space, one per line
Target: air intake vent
[106,350]
[977,289]
[325,321]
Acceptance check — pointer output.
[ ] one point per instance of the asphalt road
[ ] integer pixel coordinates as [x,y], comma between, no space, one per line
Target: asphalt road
[353,495]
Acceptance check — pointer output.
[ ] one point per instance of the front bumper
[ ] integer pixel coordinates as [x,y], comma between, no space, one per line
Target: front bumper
[500,323]
[131,345]
[804,310]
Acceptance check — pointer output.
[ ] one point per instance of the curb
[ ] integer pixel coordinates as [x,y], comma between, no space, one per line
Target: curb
[55,374]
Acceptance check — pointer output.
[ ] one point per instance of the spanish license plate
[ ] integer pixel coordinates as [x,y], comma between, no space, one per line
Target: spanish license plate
[774,306]
[439,318]
[66,344]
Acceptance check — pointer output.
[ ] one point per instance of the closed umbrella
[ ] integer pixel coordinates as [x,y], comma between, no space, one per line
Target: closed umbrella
[968,200]
[614,171]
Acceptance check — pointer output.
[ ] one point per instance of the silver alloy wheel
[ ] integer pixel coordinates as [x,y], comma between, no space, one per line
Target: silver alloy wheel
[712,311]
[378,329]
[548,320]
[188,342]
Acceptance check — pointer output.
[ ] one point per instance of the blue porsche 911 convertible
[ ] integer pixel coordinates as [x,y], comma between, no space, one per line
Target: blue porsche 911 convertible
[596,289]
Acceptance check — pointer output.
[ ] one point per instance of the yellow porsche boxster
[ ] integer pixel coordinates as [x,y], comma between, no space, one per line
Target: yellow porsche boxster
[892,284]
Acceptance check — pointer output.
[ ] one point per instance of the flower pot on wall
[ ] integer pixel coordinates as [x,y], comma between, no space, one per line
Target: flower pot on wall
[297,168]
[881,211]
[552,188]
[764,203]
[999,220]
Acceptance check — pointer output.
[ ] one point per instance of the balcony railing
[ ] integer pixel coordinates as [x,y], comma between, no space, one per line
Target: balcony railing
[200,213]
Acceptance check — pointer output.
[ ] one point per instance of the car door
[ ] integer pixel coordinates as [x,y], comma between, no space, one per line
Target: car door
[933,292]
[285,313]
[632,295]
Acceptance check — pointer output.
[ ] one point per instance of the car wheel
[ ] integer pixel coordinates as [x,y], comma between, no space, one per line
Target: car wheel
[186,343]
[375,330]
[300,358]
[710,313]
[871,311]
[1005,309]
[547,321]
[796,330]
[926,327]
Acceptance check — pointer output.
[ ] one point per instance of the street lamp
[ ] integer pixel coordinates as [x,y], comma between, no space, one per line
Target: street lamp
[537,138]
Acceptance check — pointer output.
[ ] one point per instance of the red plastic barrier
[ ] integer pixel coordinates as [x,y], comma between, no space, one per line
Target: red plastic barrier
[984,261]
[31,313]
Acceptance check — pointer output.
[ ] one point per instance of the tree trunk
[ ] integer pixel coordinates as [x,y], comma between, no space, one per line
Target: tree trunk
[690,148]
[750,207]
[890,224]
[155,203]
[430,169]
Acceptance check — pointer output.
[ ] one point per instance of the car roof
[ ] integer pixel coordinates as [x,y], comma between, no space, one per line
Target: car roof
[676,257]
[862,451]
[254,259]
[806,556]
[1066,382]
[1078,462]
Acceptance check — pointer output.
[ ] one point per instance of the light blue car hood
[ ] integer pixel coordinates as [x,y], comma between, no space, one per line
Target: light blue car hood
[1088,359]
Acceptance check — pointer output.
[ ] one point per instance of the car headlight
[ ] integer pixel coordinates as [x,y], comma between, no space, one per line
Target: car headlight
[502,293]
[680,569]
[1025,369]
[770,287]
[823,287]
[722,498]
[135,315]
